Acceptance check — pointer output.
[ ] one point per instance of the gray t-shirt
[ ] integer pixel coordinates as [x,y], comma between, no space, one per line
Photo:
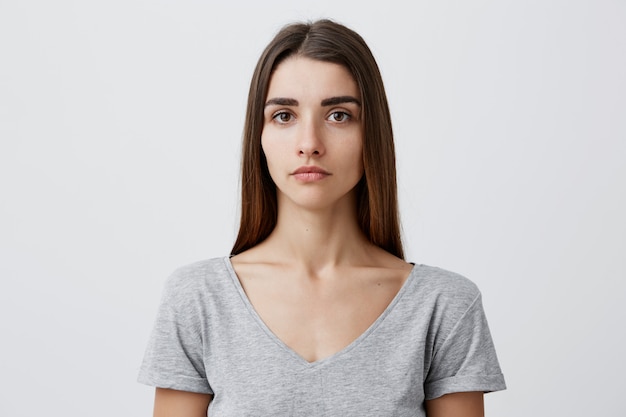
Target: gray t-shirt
[431,340]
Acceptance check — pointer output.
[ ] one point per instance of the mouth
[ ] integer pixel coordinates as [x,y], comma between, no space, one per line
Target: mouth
[310,170]
[310,173]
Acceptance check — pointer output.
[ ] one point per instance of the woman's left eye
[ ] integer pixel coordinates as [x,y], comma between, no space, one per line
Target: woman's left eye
[339,116]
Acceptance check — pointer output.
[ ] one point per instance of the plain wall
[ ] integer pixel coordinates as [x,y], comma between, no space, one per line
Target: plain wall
[120,127]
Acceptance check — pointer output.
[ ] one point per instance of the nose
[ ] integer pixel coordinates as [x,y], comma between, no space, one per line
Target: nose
[310,141]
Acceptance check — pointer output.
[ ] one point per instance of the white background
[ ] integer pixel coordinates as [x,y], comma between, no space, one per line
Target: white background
[120,126]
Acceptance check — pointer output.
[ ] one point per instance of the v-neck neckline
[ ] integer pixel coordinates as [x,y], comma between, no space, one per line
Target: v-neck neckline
[340,353]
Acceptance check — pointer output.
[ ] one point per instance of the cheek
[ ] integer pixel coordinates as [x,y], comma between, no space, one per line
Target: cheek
[272,156]
[358,157]
[266,149]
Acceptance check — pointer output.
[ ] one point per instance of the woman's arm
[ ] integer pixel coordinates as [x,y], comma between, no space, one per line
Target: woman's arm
[458,404]
[172,403]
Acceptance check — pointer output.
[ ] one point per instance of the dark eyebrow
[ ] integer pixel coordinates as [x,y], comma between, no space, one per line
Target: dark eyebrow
[333,101]
[281,101]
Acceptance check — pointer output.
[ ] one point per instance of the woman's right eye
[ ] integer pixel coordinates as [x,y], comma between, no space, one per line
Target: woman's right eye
[282,117]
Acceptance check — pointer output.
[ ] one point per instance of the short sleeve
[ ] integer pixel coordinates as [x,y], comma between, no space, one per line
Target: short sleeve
[174,356]
[466,360]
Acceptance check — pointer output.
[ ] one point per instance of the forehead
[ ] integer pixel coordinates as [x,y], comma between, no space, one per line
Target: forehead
[301,77]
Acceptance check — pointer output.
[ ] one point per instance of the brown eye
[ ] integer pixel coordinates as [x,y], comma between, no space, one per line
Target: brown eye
[339,116]
[282,117]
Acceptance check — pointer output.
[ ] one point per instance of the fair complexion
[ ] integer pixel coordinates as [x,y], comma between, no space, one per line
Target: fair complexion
[458,404]
[313,139]
[316,281]
[173,403]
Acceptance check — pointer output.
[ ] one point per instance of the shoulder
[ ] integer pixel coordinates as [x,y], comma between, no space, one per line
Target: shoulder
[198,271]
[193,280]
[441,283]
[202,267]
[459,351]
[445,295]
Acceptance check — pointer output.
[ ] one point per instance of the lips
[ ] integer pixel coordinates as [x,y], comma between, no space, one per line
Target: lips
[310,170]
[310,173]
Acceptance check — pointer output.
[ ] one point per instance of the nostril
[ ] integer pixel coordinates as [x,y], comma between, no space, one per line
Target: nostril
[308,152]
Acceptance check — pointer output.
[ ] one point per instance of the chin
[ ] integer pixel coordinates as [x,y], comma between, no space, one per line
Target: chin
[318,200]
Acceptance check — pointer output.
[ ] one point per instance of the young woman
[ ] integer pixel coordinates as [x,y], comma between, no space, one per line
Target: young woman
[315,313]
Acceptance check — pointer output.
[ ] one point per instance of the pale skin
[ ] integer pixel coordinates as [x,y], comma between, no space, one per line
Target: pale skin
[316,281]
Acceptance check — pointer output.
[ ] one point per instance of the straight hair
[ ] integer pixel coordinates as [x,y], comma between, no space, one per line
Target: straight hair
[376,192]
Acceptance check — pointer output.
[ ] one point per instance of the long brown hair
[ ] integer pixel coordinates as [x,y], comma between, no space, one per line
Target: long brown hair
[377,202]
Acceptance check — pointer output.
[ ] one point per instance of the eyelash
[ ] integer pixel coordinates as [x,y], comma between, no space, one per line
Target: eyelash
[345,115]
[277,117]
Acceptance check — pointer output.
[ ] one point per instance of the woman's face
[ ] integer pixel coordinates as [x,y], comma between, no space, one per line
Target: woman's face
[312,133]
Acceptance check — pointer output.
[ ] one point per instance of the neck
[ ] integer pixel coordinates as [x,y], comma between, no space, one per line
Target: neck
[320,238]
